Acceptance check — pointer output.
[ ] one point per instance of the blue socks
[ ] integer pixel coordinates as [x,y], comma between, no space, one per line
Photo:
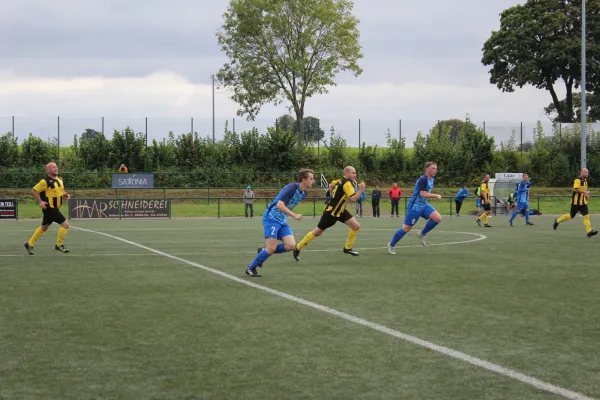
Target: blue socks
[263,255]
[397,236]
[514,215]
[428,226]
[527,217]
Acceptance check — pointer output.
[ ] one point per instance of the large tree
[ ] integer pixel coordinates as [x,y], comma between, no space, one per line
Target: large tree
[286,50]
[592,108]
[539,43]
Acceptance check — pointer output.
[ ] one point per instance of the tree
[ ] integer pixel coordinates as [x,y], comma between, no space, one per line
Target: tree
[592,107]
[539,43]
[286,123]
[312,130]
[282,50]
[90,134]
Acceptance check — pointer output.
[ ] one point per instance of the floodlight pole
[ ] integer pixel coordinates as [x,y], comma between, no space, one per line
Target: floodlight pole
[213,107]
[583,90]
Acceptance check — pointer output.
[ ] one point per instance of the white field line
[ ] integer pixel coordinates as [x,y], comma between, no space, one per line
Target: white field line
[529,380]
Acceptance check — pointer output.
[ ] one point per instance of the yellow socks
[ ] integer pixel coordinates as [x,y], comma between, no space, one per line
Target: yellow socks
[564,218]
[351,238]
[62,232]
[36,235]
[485,218]
[587,223]
[307,239]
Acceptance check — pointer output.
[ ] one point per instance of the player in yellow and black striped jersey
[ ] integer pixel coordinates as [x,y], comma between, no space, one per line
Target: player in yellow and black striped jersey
[335,210]
[50,193]
[485,202]
[579,203]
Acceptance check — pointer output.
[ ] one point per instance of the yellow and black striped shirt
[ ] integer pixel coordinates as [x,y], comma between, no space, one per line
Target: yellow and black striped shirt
[51,190]
[342,190]
[485,193]
[579,199]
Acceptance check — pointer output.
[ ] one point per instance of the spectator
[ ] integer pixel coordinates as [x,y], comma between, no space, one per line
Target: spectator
[123,169]
[460,197]
[375,199]
[359,204]
[249,198]
[328,193]
[395,194]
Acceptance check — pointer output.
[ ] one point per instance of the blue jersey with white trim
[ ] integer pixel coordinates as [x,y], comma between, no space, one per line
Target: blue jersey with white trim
[522,192]
[291,195]
[418,202]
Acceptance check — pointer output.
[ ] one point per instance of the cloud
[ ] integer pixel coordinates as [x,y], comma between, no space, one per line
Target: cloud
[130,60]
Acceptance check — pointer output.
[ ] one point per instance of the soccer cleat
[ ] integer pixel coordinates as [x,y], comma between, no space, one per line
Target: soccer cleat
[29,249]
[258,252]
[530,223]
[61,249]
[350,251]
[478,221]
[592,233]
[251,272]
[296,254]
[510,223]
[487,226]
[391,249]
[422,238]
[555,224]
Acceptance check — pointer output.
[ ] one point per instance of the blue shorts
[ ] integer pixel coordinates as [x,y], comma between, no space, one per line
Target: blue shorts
[412,216]
[478,203]
[522,205]
[275,230]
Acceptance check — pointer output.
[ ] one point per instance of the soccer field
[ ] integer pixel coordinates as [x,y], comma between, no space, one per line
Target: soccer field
[161,309]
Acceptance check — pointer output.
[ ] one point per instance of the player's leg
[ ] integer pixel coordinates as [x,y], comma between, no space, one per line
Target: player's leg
[326,221]
[458,207]
[487,209]
[515,213]
[527,214]
[271,234]
[434,218]
[37,234]
[586,221]
[410,220]
[349,220]
[572,213]
[62,232]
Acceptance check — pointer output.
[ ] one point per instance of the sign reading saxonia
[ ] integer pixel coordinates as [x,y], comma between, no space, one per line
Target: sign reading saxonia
[132,181]
[119,208]
[8,209]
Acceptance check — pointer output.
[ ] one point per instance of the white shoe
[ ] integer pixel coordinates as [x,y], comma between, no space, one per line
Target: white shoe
[422,239]
[391,249]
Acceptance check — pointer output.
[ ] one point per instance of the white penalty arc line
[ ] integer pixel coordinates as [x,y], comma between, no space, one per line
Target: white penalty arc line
[529,380]
[478,238]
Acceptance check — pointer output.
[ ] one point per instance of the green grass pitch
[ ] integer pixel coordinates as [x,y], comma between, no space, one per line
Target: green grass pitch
[112,320]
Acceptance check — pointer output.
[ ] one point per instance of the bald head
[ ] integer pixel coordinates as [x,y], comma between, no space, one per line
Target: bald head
[350,173]
[584,172]
[52,169]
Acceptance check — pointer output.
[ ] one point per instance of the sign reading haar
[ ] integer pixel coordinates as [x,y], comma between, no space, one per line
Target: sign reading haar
[112,208]
[132,181]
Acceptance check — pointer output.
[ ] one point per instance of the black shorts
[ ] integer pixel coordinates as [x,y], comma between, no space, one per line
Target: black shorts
[52,215]
[328,220]
[487,207]
[583,210]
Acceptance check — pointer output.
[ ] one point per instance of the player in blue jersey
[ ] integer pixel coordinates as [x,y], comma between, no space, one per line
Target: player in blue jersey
[522,200]
[275,220]
[418,207]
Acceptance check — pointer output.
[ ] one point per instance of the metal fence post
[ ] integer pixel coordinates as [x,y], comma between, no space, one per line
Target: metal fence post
[219,207]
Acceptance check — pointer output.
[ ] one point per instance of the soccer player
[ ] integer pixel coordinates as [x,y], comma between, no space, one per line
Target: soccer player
[522,200]
[418,207]
[343,190]
[275,220]
[485,202]
[579,203]
[460,197]
[49,193]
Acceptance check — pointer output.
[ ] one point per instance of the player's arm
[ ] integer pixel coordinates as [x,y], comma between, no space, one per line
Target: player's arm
[423,190]
[349,190]
[287,195]
[578,189]
[37,189]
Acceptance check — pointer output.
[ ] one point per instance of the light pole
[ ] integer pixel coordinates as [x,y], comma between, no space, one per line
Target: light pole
[213,107]
[583,90]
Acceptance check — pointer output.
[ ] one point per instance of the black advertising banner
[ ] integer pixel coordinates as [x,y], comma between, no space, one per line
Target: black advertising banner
[117,208]
[8,209]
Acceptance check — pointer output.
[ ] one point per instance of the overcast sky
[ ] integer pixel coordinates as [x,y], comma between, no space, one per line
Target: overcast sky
[127,60]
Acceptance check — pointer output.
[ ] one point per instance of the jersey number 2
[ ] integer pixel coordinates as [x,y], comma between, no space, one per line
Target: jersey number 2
[272,230]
